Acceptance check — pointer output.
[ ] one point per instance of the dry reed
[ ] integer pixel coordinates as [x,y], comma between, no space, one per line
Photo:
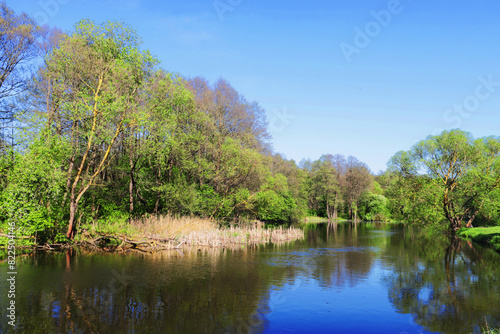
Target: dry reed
[193,231]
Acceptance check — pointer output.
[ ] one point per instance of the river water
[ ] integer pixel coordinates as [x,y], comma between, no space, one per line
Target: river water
[342,278]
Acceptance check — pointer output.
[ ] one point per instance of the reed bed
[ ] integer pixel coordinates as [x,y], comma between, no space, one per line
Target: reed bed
[223,237]
[193,231]
[170,226]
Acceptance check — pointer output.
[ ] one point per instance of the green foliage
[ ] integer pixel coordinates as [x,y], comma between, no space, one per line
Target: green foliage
[109,137]
[336,185]
[414,199]
[447,178]
[274,201]
[374,207]
[377,189]
[35,190]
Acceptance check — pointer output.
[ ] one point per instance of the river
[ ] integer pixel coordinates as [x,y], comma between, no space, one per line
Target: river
[342,278]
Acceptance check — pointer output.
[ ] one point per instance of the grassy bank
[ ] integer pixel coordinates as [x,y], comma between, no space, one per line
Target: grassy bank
[315,219]
[489,236]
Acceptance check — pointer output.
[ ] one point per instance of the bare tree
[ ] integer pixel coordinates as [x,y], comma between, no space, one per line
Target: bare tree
[357,181]
[19,35]
[231,114]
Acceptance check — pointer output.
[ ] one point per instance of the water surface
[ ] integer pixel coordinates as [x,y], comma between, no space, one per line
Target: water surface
[343,278]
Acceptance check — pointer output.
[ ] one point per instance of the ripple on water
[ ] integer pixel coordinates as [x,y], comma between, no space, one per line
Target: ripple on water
[301,257]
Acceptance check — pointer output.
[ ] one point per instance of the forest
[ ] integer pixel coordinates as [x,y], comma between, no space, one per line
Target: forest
[93,129]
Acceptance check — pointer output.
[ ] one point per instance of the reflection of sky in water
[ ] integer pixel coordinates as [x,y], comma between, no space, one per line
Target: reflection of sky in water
[338,290]
[304,306]
[348,280]
[297,258]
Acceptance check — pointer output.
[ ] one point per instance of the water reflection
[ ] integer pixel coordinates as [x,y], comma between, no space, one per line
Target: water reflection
[448,286]
[348,277]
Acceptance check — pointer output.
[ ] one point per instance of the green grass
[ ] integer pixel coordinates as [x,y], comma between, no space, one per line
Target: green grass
[491,331]
[315,219]
[485,235]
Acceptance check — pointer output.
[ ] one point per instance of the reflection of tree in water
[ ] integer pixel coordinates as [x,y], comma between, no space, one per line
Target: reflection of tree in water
[448,288]
[204,291]
[339,266]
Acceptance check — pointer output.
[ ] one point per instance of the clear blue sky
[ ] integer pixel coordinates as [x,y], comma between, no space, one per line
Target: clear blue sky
[326,87]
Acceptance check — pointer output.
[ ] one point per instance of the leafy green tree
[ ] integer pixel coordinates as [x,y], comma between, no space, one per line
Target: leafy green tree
[374,207]
[230,114]
[412,197]
[450,176]
[98,71]
[325,185]
[274,202]
[34,195]
[297,183]
[109,136]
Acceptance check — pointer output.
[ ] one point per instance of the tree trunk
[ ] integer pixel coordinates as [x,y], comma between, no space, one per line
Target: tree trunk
[469,222]
[131,196]
[73,206]
[156,204]
[131,187]
[328,210]
[335,214]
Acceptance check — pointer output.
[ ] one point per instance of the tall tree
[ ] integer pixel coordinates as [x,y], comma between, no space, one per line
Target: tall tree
[325,186]
[460,174]
[99,70]
[19,37]
[357,181]
[231,115]
[340,164]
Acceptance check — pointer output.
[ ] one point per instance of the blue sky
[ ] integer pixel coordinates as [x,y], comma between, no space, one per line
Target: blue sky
[363,78]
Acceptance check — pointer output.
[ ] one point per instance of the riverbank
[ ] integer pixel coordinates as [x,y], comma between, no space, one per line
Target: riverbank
[151,234]
[489,236]
[316,219]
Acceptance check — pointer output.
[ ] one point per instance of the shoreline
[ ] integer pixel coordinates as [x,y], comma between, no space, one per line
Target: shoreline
[486,236]
[154,234]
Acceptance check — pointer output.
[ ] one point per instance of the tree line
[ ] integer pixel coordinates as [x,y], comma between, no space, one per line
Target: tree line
[93,129]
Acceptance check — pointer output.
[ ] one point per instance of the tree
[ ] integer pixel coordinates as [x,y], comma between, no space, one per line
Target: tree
[19,37]
[274,202]
[33,196]
[297,182]
[325,186]
[374,207]
[98,72]
[455,175]
[357,181]
[230,114]
[340,164]
[411,195]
